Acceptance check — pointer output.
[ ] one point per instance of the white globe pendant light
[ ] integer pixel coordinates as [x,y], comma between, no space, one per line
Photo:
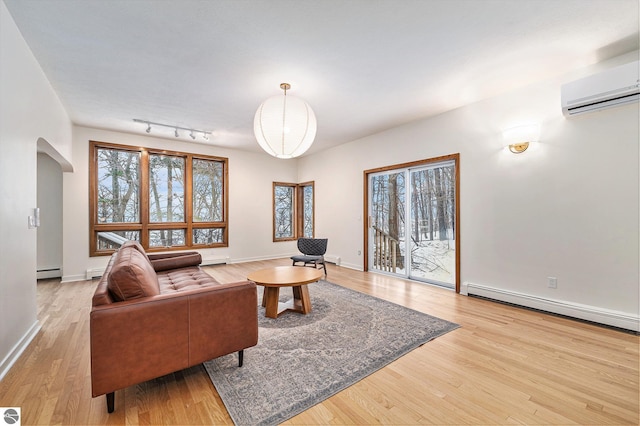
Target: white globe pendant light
[285,126]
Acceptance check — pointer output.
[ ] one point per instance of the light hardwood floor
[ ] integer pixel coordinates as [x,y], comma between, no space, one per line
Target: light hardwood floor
[505,365]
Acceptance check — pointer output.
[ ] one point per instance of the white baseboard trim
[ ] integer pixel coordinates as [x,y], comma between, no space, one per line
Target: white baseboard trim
[561,307]
[353,266]
[17,350]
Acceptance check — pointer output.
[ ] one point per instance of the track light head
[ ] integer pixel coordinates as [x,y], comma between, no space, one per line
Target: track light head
[205,136]
[176,133]
[148,128]
[192,135]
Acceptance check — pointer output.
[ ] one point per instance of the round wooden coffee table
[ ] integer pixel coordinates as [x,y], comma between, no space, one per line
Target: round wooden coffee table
[296,277]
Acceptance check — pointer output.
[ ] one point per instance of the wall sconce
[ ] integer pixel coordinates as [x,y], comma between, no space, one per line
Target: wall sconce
[518,138]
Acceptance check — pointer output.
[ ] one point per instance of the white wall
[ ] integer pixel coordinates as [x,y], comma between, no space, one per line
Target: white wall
[567,207]
[250,201]
[29,111]
[49,198]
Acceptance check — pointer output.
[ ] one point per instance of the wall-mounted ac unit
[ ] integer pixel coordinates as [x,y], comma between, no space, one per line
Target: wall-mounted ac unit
[614,87]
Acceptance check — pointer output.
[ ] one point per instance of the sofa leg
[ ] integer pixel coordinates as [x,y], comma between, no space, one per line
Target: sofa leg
[240,358]
[110,402]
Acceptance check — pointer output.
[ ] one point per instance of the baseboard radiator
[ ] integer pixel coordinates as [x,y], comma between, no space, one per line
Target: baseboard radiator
[209,261]
[560,307]
[48,273]
[94,273]
[333,259]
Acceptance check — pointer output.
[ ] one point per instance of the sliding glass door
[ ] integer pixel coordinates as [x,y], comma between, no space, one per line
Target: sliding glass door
[412,222]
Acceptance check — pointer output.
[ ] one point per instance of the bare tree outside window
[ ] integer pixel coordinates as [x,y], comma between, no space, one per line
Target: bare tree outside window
[166,198]
[166,188]
[283,212]
[207,190]
[388,199]
[307,210]
[118,186]
[208,235]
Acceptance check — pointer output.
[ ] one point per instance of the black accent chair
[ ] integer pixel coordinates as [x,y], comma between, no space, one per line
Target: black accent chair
[313,250]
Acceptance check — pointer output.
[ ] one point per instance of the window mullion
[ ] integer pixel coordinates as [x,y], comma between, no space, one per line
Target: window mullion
[144,198]
[188,199]
[299,211]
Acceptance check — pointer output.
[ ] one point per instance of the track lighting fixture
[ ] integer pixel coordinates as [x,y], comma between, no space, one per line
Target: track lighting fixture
[192,132]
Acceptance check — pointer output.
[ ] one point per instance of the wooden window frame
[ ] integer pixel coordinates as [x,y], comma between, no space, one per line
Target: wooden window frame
[298,209]
[145,225]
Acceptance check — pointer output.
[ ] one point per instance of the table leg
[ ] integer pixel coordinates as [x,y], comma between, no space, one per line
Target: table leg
[270,301]
[301,298]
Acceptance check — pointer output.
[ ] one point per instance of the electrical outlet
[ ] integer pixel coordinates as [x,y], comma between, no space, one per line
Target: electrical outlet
[553,282]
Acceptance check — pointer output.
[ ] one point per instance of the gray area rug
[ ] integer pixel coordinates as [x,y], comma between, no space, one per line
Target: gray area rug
[301,360]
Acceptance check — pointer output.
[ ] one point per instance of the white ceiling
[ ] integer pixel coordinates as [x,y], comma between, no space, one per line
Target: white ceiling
[362,65]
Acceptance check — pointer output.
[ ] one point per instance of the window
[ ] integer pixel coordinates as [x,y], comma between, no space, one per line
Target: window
[293,211]
[165,200]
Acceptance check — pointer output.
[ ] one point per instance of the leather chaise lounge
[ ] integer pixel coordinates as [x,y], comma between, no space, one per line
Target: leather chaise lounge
[157,314]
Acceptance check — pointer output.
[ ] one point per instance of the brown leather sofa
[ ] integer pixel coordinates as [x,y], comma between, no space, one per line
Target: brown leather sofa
[156,314]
